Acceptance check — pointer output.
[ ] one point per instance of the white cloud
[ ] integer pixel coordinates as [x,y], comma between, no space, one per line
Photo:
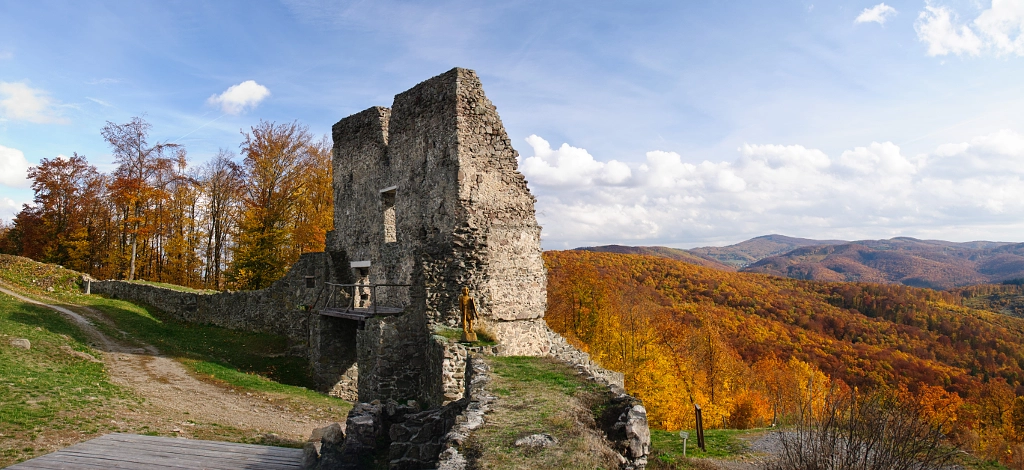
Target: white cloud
[8,208]
[20,102]
[13,168]
[870,191]
[569,166]
[239,98]
[999,29]
[4,55]
[1000,24]
[935,26]
[876,14]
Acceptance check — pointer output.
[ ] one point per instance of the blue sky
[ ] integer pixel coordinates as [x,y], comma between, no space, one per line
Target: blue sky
[668,123]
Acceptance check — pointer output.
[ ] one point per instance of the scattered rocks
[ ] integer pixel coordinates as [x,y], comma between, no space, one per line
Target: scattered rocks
[21,343]
[537,441]
[638,435]
[625,424]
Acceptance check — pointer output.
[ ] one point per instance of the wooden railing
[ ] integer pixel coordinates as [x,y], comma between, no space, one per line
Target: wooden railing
[336,304]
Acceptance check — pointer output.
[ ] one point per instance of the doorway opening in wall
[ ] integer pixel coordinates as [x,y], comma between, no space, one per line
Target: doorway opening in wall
[387,199]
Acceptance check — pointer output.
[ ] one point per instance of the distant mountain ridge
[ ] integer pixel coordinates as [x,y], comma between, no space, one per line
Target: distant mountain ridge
[751,251]
[919,263]
[935,264]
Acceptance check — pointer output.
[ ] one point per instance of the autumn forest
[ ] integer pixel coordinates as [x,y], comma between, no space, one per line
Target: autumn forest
[753,349]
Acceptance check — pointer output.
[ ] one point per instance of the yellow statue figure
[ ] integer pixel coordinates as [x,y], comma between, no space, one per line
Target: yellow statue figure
[469,315]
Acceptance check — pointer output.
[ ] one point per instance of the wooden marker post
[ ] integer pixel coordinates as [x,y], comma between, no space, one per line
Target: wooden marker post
[685,435]
[700,428]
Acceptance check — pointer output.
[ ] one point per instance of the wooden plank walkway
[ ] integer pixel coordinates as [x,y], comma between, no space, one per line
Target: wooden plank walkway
[145,452]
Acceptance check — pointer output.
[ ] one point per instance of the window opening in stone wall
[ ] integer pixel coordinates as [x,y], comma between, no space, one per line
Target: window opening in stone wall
[387,199]
[362,299]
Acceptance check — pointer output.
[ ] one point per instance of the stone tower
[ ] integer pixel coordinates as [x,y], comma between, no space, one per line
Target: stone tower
[427,193]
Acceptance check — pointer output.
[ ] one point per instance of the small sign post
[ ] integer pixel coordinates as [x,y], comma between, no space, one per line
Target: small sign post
[700,428]
[685,435]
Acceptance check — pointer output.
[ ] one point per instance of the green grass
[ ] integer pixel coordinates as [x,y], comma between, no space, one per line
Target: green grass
[524,370]
[246,352]
[175,287]
[44,279]
[45,390]
[253,361]
[720,443]
[484,338]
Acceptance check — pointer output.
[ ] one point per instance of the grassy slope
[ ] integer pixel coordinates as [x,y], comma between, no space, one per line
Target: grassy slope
[48,395]
[244,361]
[540,395]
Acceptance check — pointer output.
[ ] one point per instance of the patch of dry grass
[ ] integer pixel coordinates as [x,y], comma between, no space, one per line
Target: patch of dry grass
[541,395]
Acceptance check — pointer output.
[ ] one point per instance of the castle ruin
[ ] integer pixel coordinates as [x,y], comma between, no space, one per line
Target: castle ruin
[427,200]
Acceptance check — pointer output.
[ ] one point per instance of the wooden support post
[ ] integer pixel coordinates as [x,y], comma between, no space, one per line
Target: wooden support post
[700,428]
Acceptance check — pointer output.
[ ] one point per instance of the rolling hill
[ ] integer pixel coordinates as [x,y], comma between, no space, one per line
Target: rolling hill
[865,334]
[908,261]
[933,264]
[757,248]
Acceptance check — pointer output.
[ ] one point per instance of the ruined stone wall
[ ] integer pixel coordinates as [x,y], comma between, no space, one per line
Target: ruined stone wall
[276,309]
[329,343]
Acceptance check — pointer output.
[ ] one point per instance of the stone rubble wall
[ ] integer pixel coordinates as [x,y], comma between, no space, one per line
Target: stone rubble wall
[392,356]
[477,403]
[277,309]
[447,361]
[579,360]
[418,439]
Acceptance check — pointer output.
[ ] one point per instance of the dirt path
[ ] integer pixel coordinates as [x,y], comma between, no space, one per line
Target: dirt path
[177,402]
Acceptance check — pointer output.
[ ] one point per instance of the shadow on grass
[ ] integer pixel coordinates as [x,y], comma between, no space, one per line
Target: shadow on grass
[262,354]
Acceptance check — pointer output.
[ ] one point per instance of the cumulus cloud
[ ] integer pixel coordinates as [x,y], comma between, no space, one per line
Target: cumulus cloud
[999,30]
[870,191]
[240,98]
[1003,26]
[570,166]
[876,14]
[20,102]
[13,168]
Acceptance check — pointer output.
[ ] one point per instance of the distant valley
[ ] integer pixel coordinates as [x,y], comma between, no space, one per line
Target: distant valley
[919,263]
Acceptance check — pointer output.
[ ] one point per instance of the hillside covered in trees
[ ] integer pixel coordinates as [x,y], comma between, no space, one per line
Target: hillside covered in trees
[752,348]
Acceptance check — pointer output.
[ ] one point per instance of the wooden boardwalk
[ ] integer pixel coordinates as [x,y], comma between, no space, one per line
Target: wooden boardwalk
[145,452]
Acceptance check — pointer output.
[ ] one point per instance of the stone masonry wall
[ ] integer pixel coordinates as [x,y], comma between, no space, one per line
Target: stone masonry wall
[392,357]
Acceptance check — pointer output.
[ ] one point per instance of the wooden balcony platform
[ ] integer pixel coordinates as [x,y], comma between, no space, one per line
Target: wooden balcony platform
[162,453]
[360,314]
